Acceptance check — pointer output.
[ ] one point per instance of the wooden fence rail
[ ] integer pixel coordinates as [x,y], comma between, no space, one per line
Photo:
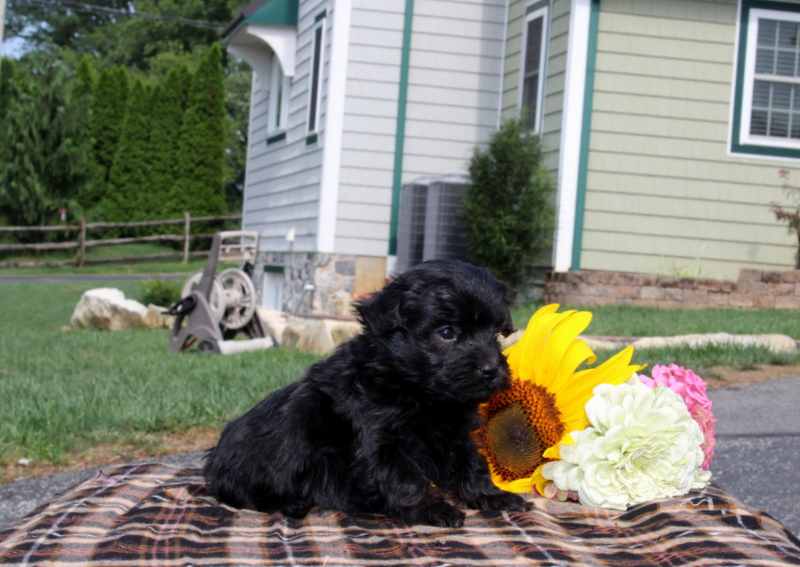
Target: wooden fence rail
[81,244]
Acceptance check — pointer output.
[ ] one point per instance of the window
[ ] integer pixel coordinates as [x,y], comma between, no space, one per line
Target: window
[315,83]
[533,63]
[766,115]
[278,97]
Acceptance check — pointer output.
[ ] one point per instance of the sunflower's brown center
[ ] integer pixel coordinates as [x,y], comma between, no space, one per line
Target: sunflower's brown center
[519,425]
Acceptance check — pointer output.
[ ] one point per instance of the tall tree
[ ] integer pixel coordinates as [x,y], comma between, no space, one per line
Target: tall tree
[107,114]
[85,79]
[237,114]
[167,107]
[201,151]
[8,71]
[129,178]
[43,152]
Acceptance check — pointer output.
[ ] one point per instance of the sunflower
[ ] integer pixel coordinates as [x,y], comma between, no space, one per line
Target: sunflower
[524,426]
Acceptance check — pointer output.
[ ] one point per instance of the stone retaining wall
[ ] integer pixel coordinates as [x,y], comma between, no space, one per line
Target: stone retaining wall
[321,283]
[753,289]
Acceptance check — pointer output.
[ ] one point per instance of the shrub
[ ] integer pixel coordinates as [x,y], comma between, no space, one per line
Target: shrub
[508,208]
[160,292]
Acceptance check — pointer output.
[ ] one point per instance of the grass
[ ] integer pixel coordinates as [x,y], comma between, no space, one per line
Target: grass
[703,360]
[631,321]
[64,392]
[164,266]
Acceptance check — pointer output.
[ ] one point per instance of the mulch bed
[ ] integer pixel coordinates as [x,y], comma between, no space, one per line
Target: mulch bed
[158,514]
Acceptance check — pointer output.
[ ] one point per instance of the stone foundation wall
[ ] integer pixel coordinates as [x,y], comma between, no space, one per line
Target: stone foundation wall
[753,289]
[318,283]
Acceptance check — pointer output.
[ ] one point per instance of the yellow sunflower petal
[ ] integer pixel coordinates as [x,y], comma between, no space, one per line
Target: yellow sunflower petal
[523,354]
[615,370]
[558,343]
[538,480]
[521,486]
[554,452]
[576,354]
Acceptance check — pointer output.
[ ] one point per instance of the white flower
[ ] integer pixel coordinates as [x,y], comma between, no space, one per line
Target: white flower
[641,444]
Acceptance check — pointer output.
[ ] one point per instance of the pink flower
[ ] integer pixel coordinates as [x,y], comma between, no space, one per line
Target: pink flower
[692,389]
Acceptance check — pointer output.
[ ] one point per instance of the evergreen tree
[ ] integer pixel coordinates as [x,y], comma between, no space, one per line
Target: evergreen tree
[85,79]
[508,210]
[107,114]
[129,177]
[166,111]
[8,70]
[200,164]
[43,152]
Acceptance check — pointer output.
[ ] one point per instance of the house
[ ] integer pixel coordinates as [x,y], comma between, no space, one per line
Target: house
[663,120]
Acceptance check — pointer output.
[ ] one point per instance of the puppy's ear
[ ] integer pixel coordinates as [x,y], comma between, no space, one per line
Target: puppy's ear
[508,325]
[380,312]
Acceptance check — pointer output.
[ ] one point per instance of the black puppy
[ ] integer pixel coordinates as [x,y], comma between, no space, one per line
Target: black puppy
[387,416]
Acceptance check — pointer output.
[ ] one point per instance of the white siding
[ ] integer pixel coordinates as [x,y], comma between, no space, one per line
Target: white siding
[282,183]
[452,104]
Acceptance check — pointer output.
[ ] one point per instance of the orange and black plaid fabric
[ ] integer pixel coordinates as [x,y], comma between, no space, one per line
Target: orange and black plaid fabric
[159,515]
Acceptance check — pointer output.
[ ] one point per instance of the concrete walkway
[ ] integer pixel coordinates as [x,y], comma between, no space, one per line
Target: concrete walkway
[757,455]
[758,446]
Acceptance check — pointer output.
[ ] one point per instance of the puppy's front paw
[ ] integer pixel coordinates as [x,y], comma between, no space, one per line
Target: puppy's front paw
[439,514]
[501,501]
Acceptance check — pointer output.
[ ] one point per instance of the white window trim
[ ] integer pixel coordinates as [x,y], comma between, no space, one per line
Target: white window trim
[321,24]
[279,126]
[745,136]
[542,12]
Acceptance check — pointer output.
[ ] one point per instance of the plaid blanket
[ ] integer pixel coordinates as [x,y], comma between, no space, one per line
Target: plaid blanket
[157,514]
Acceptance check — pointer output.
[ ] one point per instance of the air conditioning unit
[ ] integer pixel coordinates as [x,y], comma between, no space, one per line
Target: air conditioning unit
[444,225]
[411,222]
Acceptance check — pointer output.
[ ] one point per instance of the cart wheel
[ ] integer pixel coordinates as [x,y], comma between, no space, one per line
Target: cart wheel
[240,298]
[217,299]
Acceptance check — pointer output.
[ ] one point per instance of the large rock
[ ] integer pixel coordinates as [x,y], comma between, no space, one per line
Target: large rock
[155,318]
[319,336]
[775,343]
[275,321]
[107,308]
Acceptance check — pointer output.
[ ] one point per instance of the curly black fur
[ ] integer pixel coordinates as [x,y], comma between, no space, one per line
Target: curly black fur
[390,413]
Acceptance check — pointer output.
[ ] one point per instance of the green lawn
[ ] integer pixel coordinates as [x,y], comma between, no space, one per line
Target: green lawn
[159,266]
[62,392]
[631,321]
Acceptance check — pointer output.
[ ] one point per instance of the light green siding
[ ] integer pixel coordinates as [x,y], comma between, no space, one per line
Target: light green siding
[662,191]
[556,70]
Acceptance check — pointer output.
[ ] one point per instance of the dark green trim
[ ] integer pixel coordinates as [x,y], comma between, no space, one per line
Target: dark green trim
[400,133]
[276,138]
[586,134]
[276,13]
[321,15]
[274,269]
[536,5]
[311,139]
[744,22]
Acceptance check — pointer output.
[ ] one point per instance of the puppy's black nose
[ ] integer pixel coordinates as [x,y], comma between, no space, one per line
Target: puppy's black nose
[489,371]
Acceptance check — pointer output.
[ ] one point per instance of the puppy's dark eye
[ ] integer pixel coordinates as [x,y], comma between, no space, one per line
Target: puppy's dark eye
[447,333]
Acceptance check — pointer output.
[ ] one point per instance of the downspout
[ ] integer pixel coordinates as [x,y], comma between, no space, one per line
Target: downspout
[400,132]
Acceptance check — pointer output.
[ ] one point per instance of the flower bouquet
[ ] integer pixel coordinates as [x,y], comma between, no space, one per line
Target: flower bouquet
[604,436]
